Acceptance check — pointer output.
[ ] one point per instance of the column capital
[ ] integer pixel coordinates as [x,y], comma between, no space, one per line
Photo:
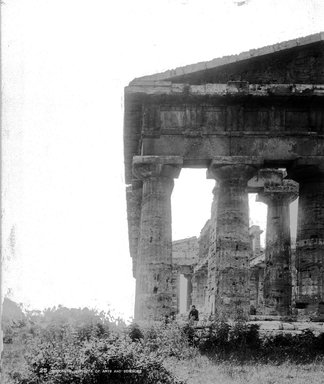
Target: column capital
[255,230]
[236,168]
[265,176]
[239,173]
[157,166]
[287,192]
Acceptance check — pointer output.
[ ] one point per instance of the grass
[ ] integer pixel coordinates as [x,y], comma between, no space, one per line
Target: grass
[201,370]
[227,355]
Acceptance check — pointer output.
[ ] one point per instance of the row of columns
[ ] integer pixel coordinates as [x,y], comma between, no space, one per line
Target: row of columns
[232,245]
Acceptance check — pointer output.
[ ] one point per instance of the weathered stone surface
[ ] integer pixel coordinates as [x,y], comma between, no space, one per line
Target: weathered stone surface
[233,88]
[185,253]
[199,289]
[134,206]
[154,263]
[212,258]
[256,271]
[255,233]
[310,239]
[277,274]
[275,327]
[233,248]
[189,291]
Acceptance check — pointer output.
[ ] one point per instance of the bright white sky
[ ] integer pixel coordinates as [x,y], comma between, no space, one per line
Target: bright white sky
[65,63]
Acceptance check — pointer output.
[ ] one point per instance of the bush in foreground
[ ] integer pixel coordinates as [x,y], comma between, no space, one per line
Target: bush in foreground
[110,360]
[61,347]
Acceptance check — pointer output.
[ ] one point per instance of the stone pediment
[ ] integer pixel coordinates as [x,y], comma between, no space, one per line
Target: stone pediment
[298,61]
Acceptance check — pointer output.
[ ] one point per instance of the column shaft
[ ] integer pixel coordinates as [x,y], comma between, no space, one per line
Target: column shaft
[154,259]
[211,275]
[277,274]
[189,291]
[134,204]
[254,286]
[175,289]
[199,280]
[309,173]
[233,248]
[310,246]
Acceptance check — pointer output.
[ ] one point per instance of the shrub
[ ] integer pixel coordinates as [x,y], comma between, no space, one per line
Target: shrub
[236,341]
[113,359]
[135,332]
[85,347]
[167,340]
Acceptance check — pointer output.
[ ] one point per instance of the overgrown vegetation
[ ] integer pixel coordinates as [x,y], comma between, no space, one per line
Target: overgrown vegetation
[61,345]
[242,342]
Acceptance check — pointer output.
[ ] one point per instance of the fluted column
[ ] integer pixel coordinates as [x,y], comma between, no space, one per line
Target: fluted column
[189,291]
[310,238]
[277,274]
[134,204]
[233,248]
[256,268]
[211,276]
[153,298]
[199,280]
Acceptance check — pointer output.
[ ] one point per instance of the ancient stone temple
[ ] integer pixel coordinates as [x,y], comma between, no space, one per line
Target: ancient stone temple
[255,122]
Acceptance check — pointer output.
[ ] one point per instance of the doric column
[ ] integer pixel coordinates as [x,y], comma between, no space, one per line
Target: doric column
[211,276]
[153,298]
[277,273]
[233,249]
[189,291]
[195,289]
[199,280]
[175,285]
[310,237]
[178,293]
[134,204]
[256,271]
[255,234]
[254,285]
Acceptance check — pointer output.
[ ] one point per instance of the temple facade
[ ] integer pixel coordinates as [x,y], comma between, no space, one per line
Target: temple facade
[255,122]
